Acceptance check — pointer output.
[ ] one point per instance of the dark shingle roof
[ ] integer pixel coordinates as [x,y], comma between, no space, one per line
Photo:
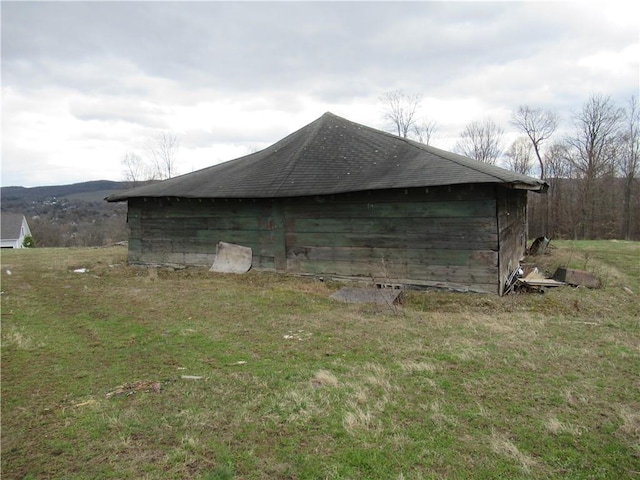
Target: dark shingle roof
[10,225]
[332,155]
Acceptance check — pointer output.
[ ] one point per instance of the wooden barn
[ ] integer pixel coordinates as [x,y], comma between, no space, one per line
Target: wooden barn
[339,199]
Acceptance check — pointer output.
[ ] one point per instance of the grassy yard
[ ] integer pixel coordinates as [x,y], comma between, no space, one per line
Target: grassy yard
[124,372]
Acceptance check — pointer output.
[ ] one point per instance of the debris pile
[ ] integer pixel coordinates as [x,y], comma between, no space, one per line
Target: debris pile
[529,279]
[535,281]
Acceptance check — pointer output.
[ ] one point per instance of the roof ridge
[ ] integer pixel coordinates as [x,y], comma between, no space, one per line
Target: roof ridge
[314,127]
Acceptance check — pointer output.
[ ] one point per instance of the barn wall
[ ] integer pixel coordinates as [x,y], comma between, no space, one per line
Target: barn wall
[186,231]
[438,236]
[435,236]
[512,225]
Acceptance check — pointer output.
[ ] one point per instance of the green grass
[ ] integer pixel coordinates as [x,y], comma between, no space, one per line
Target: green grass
[447,386]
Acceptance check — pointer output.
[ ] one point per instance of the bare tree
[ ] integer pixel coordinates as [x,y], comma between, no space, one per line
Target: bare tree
[135,169]
[519,156]
[481,140]
[539,125]
[558,203]
[401,111]
[163,152]
[630,161]
[595,133]
[425,131]
[593,147]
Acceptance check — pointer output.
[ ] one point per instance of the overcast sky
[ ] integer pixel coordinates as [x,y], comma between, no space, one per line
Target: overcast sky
[83,83]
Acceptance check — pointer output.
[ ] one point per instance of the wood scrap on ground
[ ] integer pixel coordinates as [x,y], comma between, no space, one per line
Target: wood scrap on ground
[534,281]
[131,388]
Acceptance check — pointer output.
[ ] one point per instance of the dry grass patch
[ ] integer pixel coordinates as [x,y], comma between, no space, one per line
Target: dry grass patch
[16,336]
[411,366]
[324,378]
[557,427]
[438,417]
[358,420]
[575,399]
[370,390]
[502,445]
[630,423]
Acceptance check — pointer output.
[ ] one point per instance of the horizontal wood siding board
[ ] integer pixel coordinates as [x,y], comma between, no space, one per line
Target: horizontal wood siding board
[227,223]
[406,241]
[431,194]
[263,263]
[241,237]
[196,224]
[199,259]
[206,209]
[465,209]
[395,255]
[211,248]
[394,271]
[437,226]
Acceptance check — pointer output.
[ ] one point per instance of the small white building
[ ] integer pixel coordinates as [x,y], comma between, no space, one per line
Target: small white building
[13,230]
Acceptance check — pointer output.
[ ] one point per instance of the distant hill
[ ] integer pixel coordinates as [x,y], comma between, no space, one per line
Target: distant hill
[93,191]
[70,215]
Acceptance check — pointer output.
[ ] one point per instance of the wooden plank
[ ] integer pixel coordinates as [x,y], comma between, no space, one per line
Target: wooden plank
[421,194]
[440,226]
[263,263]
[240,237]
[225,223]
[408,241]
[419,256]
[395,271]
[475,209]
[199,259]
[163,207]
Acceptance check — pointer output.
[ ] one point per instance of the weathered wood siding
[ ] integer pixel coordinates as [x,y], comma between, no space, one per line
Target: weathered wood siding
[438,236]
[512,225]
[186,231]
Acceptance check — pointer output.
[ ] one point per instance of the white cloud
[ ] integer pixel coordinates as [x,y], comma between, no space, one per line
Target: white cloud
[85,82]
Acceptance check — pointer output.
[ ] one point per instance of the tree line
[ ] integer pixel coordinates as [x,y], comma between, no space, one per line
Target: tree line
[592,166]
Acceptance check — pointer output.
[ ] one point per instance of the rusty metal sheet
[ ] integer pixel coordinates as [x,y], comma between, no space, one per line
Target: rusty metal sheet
[576,277]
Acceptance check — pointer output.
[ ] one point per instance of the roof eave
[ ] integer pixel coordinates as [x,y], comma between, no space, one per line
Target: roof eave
[541,187]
